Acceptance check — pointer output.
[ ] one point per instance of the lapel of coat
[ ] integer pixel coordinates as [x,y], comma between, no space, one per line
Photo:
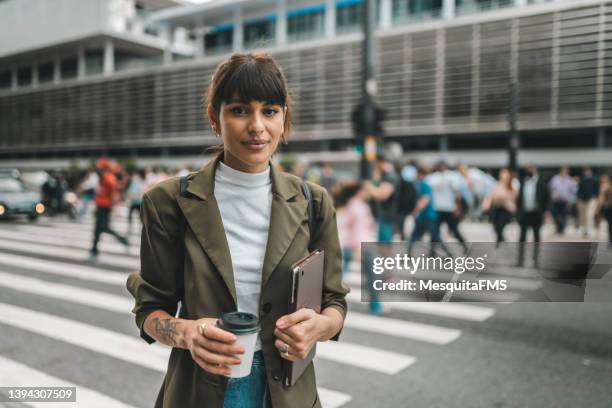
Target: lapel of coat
[289,208]
[204,219]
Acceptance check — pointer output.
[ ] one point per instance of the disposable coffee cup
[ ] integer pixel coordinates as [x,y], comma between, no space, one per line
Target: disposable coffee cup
[245,327]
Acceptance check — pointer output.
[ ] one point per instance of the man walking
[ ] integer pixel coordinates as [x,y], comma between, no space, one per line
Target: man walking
[562,193]
[533,200]
[587,200]
[105,197]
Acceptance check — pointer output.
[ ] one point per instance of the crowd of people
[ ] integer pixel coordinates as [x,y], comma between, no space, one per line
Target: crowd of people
[418,195]
[433,196]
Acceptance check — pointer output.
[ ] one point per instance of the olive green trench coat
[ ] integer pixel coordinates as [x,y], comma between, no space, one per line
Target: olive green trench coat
[185,259]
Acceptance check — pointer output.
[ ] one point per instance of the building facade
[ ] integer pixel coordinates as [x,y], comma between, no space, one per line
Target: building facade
[445,69]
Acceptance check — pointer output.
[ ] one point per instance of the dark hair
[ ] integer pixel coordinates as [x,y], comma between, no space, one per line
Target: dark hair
[346,192]
[249,77]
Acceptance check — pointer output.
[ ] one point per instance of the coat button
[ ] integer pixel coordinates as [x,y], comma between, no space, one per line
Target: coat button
[276,377]
[267,307]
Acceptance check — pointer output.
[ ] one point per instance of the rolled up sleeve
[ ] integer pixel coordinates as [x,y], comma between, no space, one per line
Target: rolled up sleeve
[326,238]
[158,285]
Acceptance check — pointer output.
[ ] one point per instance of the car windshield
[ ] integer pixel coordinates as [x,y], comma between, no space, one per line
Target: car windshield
[10,185]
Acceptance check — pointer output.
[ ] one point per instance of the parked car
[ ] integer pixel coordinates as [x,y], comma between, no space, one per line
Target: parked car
[17,200]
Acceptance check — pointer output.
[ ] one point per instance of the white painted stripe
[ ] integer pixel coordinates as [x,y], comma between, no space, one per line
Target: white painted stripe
[97,339]
[14,374]
[104,341]
[123,305]
[450,310]
[72,235]
[370,358]
[87,273]
[84,226]
[401,328]
[332,399]
[70,242]
[73,254]
[83,296]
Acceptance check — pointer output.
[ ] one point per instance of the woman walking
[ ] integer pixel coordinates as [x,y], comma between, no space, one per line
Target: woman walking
[227,244]
[502,204]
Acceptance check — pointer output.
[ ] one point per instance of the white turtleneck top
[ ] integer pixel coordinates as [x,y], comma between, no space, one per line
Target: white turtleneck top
[245,204]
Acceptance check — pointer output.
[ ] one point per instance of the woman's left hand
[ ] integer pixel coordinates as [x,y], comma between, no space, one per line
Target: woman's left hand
[298,332]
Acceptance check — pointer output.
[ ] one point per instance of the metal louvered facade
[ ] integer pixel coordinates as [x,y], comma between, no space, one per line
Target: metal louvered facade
[439,78]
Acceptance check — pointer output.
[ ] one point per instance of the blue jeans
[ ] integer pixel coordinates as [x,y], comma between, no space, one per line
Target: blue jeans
[250,391]
[385,231]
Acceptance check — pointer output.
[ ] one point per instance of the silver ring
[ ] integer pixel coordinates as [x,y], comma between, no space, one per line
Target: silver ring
[286,350]
[202,328]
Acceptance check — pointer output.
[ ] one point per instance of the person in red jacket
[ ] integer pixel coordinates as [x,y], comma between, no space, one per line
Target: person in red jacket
[105,198]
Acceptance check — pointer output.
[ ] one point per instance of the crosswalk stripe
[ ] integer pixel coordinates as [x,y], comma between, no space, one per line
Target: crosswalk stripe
[75,271]
[331,398]
[370,358]
[86,236]
[14,374]
[120,304]
[400,328]
[67,242]
[450,310]
[84,226]
[97,339]
[73,254]
[88,297]
[102,341]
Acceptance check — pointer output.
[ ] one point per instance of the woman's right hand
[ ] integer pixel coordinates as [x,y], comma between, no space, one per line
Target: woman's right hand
[212,348]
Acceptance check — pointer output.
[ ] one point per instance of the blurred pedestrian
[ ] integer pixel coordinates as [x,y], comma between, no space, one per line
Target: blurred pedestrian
[425,215]
[604,203]
[106,196]
[587,201]
[446,198]
[328,178]
[562,193]
[501,203]
[356,225]
[406,198]
[135,191]
[383,189]
[88,190]
[532,205]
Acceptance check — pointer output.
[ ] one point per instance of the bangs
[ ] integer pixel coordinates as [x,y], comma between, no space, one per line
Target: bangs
[252,81]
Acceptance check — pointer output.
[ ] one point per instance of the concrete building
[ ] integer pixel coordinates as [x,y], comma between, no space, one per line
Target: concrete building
[123,77]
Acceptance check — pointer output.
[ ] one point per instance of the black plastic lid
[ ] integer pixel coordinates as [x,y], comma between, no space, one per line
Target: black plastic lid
[239,322]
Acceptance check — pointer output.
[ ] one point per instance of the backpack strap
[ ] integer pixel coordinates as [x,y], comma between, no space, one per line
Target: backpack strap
[311,214]
[183,186]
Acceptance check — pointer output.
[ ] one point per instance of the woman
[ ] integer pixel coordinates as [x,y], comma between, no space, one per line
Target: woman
[502,203]
[228,245]
[604,203]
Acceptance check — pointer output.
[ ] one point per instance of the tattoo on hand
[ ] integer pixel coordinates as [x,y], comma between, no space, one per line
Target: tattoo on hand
[166,330]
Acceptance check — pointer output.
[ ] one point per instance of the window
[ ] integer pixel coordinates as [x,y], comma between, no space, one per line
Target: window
[306,23]
[259,33]
[45,72]
[220,40]
[349,14]
[68,68]
[416,9]
[24,76]
[94,62]
[5,79]
[471,6]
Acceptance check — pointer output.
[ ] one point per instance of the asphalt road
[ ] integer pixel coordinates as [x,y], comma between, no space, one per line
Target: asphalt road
[67,321]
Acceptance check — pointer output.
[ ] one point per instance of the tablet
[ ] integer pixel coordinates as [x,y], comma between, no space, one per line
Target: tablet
[306,291]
